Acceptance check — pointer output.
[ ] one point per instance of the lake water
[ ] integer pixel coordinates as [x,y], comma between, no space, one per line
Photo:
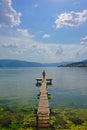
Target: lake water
[69,88]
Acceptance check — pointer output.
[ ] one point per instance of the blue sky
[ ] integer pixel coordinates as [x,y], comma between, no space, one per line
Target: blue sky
[43,31]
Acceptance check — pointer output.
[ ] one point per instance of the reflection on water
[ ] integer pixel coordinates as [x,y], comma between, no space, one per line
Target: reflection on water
[69,88]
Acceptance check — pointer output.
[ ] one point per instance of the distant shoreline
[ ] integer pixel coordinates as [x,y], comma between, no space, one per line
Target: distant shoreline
[19,63]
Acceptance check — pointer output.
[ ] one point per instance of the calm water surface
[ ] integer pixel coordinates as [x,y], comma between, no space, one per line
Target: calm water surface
[69,88]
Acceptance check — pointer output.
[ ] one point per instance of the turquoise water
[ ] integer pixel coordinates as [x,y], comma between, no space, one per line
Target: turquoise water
[69,88]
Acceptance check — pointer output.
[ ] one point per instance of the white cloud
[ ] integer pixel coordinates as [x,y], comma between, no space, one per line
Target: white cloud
[8,15]
[84,40]
[25,32]
[72,19]
[23,46]
[9,42]
[46,36]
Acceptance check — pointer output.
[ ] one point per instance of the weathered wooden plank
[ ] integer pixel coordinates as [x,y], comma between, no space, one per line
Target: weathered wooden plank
[43,117]
[43,88]
[43,103]
[43,121]
[47,79]
[44,97]
[43,125]
[41,79]
[43,113]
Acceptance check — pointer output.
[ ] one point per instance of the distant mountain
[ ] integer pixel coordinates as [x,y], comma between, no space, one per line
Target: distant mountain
[76,64]
[18,63]
[55,64]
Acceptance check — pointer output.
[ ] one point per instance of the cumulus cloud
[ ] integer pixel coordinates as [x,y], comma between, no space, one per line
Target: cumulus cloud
[72,19]
[46,36]
[8,15]
[25,32]
[84,40]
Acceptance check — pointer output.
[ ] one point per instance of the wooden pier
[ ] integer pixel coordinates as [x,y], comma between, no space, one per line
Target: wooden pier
[43,111]
[48,80]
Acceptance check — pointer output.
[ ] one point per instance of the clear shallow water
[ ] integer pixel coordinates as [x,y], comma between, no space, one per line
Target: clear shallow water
[17,86]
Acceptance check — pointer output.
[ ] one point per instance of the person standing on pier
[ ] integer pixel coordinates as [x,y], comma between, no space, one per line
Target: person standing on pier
[44,74]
